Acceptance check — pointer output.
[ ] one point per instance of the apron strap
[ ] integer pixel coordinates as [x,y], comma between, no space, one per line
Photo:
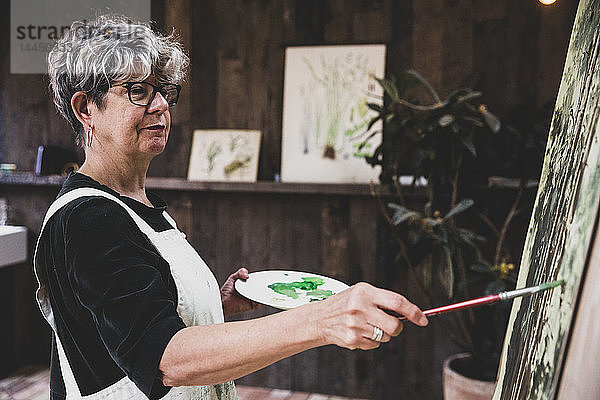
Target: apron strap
[170,219]
[66,372]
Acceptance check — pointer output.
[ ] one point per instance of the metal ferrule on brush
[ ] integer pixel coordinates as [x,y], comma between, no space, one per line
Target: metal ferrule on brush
[519,292]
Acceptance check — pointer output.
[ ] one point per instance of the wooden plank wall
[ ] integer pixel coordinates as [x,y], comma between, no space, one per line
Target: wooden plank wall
[331,234]
[339,235]
[236,81]
[515,47]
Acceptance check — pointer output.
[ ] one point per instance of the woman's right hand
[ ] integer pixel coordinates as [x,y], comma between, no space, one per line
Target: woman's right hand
[348,318]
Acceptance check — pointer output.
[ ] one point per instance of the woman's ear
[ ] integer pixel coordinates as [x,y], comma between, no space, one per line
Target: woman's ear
[80,106]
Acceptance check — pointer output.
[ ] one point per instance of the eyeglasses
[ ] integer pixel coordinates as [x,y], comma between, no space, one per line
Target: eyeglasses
[142,93]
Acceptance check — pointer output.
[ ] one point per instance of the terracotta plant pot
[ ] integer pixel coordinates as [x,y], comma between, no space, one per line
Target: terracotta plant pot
[459,387]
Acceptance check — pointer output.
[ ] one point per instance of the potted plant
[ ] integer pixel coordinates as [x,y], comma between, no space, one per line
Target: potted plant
[456,247]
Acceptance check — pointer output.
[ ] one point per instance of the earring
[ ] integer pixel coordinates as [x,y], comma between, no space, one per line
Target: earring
[89,136]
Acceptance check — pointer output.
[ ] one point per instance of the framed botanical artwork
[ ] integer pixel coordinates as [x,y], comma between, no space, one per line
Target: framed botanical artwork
[224,155]
[325,112]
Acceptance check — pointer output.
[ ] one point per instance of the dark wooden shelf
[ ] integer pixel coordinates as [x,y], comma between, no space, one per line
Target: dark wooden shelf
[264,187]
[30,179]
[182,184]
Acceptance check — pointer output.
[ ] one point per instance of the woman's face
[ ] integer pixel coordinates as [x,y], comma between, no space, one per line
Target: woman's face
[129,129]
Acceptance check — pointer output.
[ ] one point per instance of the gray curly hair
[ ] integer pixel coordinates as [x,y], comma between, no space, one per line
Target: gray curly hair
[92,55]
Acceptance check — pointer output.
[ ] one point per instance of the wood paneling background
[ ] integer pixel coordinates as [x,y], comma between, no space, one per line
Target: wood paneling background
[324,233]
[516,49]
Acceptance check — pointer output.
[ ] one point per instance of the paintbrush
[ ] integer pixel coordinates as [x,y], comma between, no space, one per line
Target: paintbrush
[503,296]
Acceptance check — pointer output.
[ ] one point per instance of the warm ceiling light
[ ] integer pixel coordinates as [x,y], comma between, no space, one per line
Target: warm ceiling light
[547,2]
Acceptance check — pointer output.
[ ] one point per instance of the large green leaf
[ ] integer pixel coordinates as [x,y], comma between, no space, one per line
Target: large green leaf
[470,95]
[375,107]
[460,207]
[390,88]
[396,206]
[469,145]
[401,214]
[492,121]
[483,267]
[469,236]
[425,83]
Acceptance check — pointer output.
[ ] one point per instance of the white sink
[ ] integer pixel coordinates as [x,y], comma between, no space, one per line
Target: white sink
[13,245]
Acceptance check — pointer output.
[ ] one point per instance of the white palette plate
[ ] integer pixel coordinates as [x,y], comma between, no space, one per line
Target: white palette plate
[284,294]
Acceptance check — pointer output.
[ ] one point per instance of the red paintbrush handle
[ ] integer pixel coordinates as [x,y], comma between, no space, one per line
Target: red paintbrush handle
[493,298]
[462,305]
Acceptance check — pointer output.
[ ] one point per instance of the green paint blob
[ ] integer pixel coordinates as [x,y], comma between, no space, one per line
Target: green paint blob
[309,285]
[320,294]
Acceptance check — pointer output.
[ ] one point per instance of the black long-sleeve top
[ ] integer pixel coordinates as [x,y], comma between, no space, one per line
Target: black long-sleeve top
[112,294]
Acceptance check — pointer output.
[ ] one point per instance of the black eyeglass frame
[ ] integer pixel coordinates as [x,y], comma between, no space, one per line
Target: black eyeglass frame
[155,89]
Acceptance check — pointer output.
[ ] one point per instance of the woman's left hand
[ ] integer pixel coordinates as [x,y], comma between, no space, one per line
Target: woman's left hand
[233,303]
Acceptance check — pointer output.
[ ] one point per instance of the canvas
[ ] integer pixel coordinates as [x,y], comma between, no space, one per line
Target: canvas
[224,155]
[325,112]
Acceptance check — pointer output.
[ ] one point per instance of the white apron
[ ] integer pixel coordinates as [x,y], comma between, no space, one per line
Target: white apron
[197,291]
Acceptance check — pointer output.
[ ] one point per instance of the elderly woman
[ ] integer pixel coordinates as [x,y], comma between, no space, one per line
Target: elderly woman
[135,312]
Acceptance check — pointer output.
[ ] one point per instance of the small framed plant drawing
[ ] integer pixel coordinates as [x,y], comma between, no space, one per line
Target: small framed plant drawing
[325,112]
[224,155]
